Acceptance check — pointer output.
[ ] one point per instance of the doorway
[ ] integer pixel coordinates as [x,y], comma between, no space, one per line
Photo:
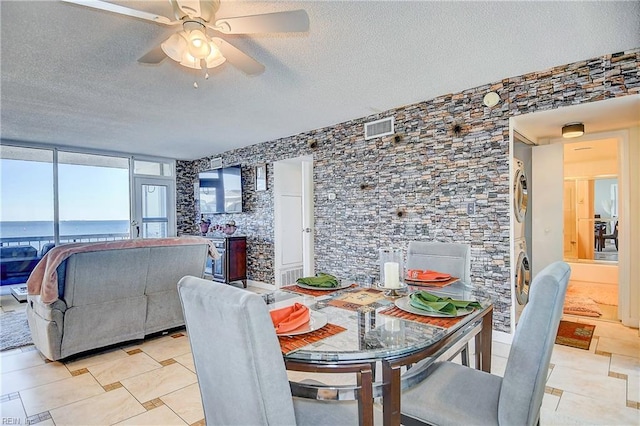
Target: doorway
[612,118]
[293,217]
[152,215]
[590,223]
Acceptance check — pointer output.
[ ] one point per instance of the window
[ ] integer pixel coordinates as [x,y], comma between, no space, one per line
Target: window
[93,193]
[27,208]
[56,195]
[152,168]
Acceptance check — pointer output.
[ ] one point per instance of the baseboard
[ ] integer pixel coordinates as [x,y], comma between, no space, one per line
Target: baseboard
[502,337]
[260,284]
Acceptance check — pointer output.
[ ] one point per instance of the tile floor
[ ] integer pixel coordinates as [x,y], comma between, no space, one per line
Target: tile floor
[154,382]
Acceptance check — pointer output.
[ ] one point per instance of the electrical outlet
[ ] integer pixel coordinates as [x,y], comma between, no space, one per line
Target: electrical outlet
[471,208]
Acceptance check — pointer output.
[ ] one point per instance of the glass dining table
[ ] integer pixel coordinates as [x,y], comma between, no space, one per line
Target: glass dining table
[360,330]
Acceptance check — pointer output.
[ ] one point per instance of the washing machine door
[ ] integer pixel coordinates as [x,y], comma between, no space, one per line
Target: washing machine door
[523,278]
[520,195]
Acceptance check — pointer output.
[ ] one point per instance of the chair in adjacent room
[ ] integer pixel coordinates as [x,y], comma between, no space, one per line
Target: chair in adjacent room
[448,258]
[238,362]
[612,236]
[454,395]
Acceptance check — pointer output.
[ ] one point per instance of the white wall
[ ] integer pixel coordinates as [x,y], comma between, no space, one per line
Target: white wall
[546,207]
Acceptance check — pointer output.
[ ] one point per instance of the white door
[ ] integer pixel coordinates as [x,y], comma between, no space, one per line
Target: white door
[153,208]
[293,215]
[546,207]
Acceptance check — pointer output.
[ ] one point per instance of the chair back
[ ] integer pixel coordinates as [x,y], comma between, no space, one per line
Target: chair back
[237,357]
[448,258]
[528,364]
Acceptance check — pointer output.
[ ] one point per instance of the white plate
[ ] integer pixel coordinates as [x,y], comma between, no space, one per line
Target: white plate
[403,303]
[310,287]
[317,320]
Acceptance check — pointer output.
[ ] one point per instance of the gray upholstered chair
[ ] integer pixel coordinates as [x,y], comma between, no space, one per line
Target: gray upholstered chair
[448,258]
[456,395]
[239,364]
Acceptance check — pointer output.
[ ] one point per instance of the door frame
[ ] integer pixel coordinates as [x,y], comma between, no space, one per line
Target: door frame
[625,286]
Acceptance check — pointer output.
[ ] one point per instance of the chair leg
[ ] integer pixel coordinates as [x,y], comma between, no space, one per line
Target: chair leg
[464,354]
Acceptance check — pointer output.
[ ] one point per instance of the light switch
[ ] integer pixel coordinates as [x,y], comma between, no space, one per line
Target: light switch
[471,208]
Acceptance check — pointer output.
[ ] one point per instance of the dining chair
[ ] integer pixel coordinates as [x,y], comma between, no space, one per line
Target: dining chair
[238,362]
[612,236]
[453,394]
[448,258]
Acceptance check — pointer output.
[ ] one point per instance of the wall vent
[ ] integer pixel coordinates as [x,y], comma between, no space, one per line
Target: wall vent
[216,163]
[374,129]
[289,277]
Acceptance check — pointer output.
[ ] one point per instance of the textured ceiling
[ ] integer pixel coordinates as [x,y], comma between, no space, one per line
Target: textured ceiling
[70,74]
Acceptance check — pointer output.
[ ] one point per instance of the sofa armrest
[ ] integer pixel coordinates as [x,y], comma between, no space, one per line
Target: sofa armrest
[46,322]
[44,310]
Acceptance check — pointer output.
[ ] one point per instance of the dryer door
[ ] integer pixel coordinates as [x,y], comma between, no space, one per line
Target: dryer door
[523,278]
[520,195]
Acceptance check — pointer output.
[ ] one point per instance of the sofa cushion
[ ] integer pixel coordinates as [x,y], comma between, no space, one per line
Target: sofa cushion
[100,276]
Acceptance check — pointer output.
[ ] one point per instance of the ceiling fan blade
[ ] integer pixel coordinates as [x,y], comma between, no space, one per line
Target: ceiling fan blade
[238,58]
[154,56]
[121,10]
[279,22]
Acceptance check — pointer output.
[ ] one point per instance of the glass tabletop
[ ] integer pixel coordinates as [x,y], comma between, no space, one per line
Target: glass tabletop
[375,329]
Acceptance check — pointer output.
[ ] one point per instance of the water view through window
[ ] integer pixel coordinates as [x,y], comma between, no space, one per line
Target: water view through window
[26,177]
[93,197]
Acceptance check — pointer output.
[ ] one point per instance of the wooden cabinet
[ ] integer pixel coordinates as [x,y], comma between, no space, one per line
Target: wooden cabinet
[232,265]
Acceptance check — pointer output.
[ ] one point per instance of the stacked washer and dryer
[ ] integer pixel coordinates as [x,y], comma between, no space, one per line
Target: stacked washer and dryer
[522,270]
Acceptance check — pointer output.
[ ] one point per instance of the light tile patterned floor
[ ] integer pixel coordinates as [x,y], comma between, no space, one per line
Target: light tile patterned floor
[153,382]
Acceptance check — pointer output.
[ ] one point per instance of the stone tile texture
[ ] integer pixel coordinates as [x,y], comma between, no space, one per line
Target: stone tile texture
[429,175]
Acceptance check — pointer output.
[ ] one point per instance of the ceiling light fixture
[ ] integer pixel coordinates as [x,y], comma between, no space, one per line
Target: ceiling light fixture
[192,48]
[572,130]
[491,99]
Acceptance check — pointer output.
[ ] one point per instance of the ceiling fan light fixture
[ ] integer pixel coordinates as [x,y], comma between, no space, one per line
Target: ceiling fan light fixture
[572,130]
[199,44]
[215,58]
[175,46]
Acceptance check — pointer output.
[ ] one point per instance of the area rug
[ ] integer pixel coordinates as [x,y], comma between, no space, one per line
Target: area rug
[578,305]
[605,294]
[575,335]
[14,330]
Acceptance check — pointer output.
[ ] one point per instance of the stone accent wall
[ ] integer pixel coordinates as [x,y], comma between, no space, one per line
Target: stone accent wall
[389,192]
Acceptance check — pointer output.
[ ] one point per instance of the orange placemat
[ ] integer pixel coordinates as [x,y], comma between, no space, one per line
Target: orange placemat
[294,288]
[437,321]
[289,344]
[431,283]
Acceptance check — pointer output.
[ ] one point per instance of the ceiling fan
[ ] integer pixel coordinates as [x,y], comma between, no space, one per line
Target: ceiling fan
[192,47]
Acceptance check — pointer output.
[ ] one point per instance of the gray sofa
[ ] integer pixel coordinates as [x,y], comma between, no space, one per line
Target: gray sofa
[113,296]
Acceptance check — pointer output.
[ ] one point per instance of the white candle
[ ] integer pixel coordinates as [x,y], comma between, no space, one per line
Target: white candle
[391,275]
